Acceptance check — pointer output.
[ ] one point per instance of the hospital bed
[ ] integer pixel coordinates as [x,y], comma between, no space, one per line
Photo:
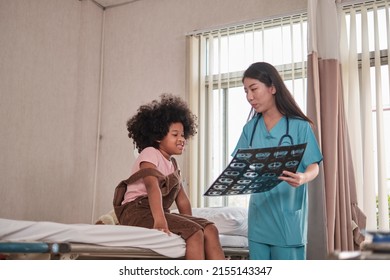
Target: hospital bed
[49,240]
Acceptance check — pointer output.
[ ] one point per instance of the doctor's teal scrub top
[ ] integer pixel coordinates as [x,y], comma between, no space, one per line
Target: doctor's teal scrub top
[279,216]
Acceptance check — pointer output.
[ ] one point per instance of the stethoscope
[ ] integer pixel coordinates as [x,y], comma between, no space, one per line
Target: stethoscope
[287,135]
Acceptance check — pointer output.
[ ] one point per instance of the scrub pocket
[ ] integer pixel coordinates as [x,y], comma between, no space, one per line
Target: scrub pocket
[293,227]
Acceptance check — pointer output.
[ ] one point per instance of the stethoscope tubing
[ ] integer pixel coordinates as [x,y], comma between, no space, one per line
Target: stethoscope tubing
[286,135]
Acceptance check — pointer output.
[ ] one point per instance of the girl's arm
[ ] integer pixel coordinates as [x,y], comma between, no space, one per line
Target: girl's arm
[155,199]
[183,203]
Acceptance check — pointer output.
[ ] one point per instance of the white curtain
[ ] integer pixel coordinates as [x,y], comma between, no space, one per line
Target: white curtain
[350,35]
[326,106]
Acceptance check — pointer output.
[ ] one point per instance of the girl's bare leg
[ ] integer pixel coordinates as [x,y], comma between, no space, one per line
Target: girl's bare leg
[213,248]
[195,246]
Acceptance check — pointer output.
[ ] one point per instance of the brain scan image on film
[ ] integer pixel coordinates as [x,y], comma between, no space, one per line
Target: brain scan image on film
[297,152]
[216,193]
[225,180]
[220,187]
[292,163]
[244,182]
[231,173]
[280,154]
[250,174]
[238,187]
[256,166]
[233,192]
[243,156]
[275,165]
[239,165]
[261,179]
[248,191]
[269,175]
[262,156]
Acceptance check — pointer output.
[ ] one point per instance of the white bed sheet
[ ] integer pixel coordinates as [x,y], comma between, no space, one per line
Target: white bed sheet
[171,246]
[228,220]
[235,241]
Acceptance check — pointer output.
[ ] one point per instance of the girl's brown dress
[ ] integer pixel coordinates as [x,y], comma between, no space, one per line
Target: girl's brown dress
[138,213]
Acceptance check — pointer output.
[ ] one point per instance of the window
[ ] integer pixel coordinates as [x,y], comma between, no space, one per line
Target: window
[225,54]
[222,108]
[367,37]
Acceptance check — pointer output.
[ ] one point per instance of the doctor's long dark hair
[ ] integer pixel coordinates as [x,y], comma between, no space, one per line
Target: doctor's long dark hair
[268,75]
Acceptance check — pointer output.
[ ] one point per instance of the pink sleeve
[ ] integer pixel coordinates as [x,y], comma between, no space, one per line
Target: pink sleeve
[149,155]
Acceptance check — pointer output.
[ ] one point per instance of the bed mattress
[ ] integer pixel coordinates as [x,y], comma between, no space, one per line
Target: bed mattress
[105,235]
[88,239]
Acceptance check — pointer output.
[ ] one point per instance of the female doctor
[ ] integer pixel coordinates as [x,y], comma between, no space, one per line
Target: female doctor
[277,219]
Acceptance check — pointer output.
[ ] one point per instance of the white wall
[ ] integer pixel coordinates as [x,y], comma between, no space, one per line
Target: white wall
[50,58]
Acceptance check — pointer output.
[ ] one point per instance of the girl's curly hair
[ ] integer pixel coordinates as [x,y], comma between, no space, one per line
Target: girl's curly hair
[152,121]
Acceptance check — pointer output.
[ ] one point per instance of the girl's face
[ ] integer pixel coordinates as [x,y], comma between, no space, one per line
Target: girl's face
[173,143]
[260,96]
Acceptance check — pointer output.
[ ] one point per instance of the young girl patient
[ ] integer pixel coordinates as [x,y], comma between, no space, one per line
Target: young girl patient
[159,131]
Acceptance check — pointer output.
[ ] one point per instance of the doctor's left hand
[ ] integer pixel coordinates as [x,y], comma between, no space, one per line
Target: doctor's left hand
[294,179]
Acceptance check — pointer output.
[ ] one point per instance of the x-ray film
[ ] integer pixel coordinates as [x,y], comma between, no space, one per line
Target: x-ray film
[256,170]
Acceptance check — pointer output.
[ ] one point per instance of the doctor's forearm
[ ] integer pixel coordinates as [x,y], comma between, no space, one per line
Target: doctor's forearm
[311,172]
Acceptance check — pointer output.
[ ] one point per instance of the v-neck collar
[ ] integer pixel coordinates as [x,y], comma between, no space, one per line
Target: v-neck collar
[271,131]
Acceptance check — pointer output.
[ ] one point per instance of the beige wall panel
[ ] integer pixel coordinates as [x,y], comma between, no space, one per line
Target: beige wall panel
[49,69]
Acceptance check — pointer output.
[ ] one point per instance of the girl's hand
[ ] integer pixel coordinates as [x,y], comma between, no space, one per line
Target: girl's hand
[294,179]
[162,225]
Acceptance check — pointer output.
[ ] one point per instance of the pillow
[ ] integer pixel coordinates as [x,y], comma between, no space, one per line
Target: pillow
[228,220]
[108,219]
